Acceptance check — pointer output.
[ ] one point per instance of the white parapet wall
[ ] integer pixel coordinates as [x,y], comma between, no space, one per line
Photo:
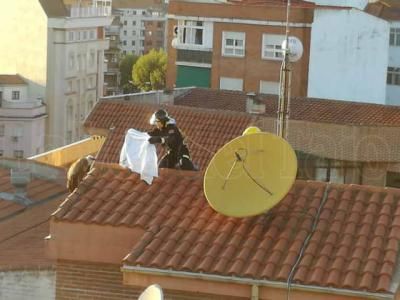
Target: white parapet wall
[349,56]
[33,285]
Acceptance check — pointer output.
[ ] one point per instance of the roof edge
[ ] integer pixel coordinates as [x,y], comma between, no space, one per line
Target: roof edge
[249,281]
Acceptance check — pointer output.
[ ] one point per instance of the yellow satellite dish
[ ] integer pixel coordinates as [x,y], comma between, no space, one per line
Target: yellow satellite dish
[250,174]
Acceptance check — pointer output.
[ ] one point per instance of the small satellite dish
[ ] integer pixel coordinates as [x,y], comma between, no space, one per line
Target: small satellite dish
[250,174]
[295,48]
[152,292]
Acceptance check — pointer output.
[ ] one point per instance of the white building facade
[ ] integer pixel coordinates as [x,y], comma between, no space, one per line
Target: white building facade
[133,28]
[75,68]
[349,55]
[393,76]
[22,119]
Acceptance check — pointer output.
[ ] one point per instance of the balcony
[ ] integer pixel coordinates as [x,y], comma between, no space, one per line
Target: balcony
[91,11]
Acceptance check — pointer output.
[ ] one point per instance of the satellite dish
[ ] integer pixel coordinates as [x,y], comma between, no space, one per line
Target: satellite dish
[295,48]
[250,174]
[153,292]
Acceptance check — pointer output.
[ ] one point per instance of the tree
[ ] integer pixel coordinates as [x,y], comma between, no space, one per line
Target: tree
[149,70]
[125,67]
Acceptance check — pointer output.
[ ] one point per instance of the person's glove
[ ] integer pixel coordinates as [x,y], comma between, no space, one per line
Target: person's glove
[154,140]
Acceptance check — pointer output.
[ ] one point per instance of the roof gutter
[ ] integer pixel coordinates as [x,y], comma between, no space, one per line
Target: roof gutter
[267,283]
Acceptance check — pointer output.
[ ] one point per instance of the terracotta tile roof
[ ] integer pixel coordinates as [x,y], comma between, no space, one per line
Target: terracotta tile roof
[23,228]
[306,109]
[388,9]
[205,130]
[354,243]
[11,79]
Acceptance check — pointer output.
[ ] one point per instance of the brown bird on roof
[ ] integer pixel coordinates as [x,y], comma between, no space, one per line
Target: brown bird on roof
[78,171]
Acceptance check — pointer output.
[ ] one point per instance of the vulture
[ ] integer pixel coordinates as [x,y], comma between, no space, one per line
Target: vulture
[78,171]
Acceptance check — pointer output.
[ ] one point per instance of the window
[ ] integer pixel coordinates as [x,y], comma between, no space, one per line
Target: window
[1,153]
[92,34]
[394,37]
[269,87]
[142,32]
[1,95]
[272,46]
[15,95]
[92,57]
[393,76]
[70,86]
[85,35]
[159,24]
[125,22]
[233,43]
[133,32]
[18,153]
[70,36]
[191,32]
[68,137]
[2,130]
[234,84]
[125,32]
[124,43]
[393,179]
[133,23]
[71,61]
[142,43]
[133,43]
[142,23]
[78,35]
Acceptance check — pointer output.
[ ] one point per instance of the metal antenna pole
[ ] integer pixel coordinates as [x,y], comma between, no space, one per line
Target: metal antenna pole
[284,85]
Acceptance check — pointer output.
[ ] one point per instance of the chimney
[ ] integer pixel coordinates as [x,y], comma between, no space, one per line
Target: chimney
[20,179]
[253,105]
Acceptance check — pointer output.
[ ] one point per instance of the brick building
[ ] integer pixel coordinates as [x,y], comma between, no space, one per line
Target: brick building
[235,44]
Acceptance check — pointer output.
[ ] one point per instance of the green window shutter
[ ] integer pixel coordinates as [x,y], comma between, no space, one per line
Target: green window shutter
[193,76]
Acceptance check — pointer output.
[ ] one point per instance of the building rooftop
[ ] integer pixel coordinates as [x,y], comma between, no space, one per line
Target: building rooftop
[294,3]
[205,130]
[11,79]
[350,233]
[387,9]
[24,227]
[301,108]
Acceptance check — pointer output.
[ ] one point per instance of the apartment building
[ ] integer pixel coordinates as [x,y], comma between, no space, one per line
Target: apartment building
[22,119]
[142,29]
[235,45]
[75,64]
[390,11]
[58,48]
[112,75]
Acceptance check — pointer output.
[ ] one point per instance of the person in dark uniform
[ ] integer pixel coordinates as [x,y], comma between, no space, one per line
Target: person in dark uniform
[168,134]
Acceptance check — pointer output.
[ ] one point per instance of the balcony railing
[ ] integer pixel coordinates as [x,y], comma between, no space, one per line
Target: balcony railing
[91,11]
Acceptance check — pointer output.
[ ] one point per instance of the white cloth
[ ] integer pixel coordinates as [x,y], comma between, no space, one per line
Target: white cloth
[139,155]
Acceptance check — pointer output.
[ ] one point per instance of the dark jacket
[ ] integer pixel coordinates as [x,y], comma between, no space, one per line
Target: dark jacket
[171,138]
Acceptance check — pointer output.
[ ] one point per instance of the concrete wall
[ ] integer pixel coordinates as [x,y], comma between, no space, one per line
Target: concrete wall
[349,51]
[393,91]
[32,285]
[23,33]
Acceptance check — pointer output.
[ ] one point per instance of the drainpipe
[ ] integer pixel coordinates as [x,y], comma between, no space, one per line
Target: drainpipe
[254,292]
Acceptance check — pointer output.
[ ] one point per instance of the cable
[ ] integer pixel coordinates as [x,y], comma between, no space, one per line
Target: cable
[305,243]
[24,230]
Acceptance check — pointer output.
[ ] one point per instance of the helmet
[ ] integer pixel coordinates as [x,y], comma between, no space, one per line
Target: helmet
[251,130]
[159,115]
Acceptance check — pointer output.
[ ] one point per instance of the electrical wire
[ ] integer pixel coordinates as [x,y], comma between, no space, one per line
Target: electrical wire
[307,239]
